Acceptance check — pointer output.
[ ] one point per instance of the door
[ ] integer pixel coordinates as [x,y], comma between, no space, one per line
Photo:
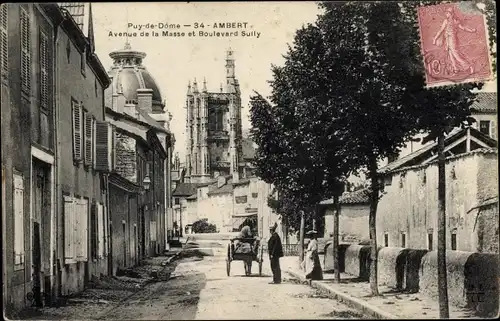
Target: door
[41,233]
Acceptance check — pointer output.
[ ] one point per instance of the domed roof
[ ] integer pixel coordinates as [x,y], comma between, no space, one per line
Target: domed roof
[129,74]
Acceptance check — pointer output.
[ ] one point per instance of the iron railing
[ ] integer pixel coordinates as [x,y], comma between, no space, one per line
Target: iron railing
[288,249]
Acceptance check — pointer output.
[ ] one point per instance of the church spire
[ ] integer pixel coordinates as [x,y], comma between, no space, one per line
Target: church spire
[90,34]
[204,85]
[195,87]
[189,92]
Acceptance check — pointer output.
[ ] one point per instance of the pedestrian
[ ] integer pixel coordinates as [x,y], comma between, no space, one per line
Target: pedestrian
[275,250]
[312,264]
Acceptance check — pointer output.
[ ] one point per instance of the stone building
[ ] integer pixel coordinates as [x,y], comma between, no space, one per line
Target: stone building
[214,129]
[53,205]
[140,185]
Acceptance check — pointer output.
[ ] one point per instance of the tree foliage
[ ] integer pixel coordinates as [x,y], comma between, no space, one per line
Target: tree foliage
[203,226]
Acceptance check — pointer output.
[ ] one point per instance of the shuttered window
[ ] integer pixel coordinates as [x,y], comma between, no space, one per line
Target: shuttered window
[69,229]
[100,231]
[77,131]
[104,146]
[25,52]
[18,219]
[76,213]
[44,71]
[4,45]
[106,229]
[88,139]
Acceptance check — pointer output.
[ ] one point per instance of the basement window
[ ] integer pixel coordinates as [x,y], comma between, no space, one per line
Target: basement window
[429,241]
[454,241]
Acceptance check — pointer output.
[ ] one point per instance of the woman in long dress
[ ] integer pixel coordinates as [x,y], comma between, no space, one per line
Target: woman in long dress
[312,264]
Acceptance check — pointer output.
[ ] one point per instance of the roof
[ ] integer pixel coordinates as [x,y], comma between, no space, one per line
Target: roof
[175,175]
[185,189]
[224,189]
[486,102]
[416,157]
[242,182]
[77,10]
[357,197]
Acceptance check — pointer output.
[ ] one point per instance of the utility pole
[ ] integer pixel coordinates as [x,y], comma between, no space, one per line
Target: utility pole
[301,242]
[441,252]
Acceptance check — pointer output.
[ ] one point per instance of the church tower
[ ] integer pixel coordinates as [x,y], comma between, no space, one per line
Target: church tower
[213,129]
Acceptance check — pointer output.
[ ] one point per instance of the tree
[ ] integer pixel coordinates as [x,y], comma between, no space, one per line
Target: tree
[202,226]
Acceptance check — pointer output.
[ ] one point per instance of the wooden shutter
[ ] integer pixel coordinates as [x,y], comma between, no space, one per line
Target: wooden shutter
[4,43]
[25,51]
[18,219]
[88,138]
[94,235]
[106,229]
[69,208]
[77,229]
[85,229]
[100,231]
[77,131]
[44,71]
[104,146]
[93,141]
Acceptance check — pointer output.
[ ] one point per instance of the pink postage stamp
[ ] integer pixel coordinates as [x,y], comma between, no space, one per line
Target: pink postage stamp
[454,44]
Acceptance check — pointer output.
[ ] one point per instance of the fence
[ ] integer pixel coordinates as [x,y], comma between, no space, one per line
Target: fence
[288,249]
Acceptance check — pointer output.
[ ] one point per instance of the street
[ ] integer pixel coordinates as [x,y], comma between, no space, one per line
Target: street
[199,288]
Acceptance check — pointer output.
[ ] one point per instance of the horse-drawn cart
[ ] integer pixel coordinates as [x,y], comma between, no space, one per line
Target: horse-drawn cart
[246,250]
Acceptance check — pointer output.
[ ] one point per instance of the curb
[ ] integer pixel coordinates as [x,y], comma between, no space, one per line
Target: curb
[350,301]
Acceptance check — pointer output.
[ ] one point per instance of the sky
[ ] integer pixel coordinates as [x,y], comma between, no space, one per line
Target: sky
[173,61]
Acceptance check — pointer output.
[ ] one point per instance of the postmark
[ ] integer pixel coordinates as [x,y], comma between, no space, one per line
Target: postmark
[454,44]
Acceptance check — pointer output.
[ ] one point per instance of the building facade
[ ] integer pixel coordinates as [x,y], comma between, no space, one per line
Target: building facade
[52,101]
[214,129]
[141,192]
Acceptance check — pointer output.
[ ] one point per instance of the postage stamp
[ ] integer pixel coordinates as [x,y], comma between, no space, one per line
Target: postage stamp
[454,43]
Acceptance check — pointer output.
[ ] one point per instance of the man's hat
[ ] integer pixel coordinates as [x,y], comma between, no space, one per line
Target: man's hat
[311,232]
[273,227]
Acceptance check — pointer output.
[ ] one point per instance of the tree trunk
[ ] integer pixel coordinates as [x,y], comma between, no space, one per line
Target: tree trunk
[302,232]
[374,195]
[336,242]
[441,252]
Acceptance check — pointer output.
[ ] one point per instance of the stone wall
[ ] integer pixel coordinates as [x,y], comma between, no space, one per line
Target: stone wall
[353,223]
[126,156]
[487,226]
[409,204]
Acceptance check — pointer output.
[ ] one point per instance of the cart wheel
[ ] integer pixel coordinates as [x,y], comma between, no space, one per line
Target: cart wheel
[228,267]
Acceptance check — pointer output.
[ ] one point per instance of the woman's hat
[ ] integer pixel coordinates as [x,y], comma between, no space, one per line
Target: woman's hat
[311,232]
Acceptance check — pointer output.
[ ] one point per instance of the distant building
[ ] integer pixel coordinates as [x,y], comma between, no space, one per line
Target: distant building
[214,130]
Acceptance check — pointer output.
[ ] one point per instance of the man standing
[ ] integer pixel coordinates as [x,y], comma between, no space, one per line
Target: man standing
[275,250]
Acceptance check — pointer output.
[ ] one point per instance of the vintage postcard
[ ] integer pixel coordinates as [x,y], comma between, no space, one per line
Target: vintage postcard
[249,160]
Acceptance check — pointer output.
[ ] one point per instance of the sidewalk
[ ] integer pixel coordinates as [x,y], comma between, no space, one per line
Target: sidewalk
[389,305]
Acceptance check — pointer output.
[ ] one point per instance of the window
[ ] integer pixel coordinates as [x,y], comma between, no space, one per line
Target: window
[104,146]
[484,127]
[386,239]
[403,239]
[93,232]
[25,52]
[18,219]
[76,213]
[241,199]
[255,195]
[77,131]
[177,201]
[454,241]
[429,241]
[99,231]
[88,138]
[4,44]
[44,71]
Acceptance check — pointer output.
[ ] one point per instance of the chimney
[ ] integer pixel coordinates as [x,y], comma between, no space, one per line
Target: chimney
[130,110]
[145,100]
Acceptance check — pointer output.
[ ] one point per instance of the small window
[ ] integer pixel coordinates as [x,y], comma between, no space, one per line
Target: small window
[454,241]
[484,127]
[177,201]
[255,195]
[403,240]
[386,239]
[429,241]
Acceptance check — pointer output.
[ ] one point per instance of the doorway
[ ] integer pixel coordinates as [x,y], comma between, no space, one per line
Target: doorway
[41,232]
